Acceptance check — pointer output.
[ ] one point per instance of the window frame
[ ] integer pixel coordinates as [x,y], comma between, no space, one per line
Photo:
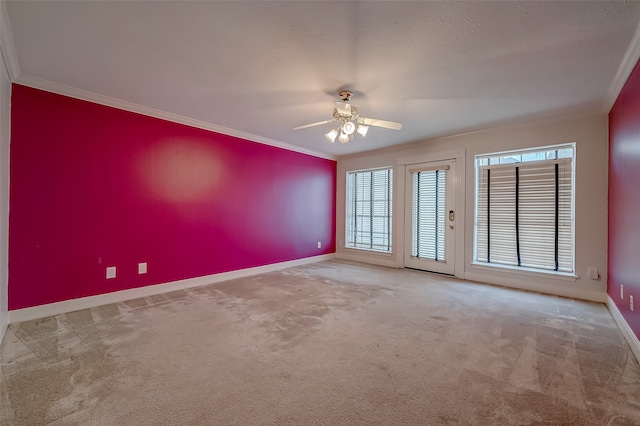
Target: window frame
[350,243]
[484,160]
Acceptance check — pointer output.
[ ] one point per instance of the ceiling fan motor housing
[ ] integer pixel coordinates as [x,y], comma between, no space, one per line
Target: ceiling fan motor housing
[343,118]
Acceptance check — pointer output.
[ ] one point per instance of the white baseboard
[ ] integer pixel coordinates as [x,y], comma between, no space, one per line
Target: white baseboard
[3,329]
[628,334]
[65,306]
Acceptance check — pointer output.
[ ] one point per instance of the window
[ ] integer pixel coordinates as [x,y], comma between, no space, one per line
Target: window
[369,209]
[525,209]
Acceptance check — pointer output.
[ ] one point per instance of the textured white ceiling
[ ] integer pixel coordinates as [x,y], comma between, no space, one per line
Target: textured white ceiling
[263,67]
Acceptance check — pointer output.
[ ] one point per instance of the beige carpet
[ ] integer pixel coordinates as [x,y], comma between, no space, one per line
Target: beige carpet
[332,343]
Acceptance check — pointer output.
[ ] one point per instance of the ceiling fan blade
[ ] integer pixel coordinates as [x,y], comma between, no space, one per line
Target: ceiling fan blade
[344,108]
[381,123]
[314,124]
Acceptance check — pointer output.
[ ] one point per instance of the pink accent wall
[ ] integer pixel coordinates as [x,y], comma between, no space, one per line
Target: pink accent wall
[94,186]
[624,200]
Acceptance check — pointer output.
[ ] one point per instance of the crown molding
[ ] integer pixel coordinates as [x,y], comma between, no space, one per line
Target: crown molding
[625,69]
[61,89]
[7,48]
[512,124]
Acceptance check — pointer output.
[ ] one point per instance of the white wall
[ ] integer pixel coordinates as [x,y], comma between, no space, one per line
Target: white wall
[5,137]
[591,138]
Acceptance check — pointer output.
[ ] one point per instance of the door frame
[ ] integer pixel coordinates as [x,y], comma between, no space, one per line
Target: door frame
[401,203]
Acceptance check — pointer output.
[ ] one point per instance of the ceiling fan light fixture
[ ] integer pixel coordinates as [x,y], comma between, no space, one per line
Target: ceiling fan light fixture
[363,130]
[349,121]
[332,135]
[348,128]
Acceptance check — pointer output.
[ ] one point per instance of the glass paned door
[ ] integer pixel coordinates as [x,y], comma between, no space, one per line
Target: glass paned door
[430,217]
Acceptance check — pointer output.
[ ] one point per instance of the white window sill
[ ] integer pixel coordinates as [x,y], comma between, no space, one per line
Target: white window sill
[367,251]
[552,275]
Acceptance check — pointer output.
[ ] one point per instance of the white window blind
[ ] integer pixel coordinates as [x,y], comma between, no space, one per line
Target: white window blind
[368,218]
[428,216]
[524,210]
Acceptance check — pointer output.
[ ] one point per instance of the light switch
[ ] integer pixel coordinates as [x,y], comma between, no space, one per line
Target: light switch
[142,268]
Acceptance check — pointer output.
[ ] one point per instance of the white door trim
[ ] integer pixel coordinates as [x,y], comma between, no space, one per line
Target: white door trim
[400,203]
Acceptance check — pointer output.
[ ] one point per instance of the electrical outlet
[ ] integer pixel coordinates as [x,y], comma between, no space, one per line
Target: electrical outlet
[111,272]
[592,271]
[142,268]
[319,244]
[631,302]
[621,292]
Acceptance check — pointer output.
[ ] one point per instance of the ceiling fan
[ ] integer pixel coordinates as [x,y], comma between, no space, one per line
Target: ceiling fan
[350,122]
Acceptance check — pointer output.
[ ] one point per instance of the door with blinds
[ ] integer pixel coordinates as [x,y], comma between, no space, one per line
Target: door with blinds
[430,217]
